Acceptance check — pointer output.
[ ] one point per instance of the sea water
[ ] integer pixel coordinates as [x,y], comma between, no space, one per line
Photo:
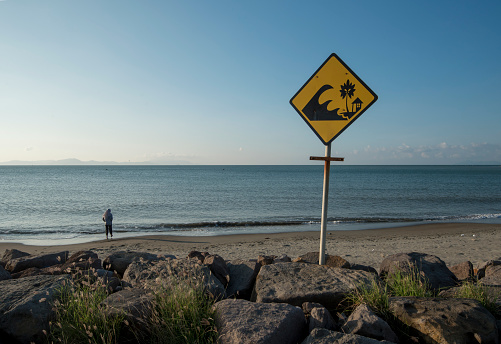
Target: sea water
[57,204]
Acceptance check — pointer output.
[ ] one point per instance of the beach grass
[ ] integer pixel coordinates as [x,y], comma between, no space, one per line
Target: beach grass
[181,313]
[80,318]
[486,295]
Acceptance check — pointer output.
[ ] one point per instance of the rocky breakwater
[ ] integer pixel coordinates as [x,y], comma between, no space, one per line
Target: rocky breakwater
[270,299]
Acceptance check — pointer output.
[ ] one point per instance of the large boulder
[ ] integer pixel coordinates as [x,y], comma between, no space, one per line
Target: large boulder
[296,283]
[218,267]
[119,261]
[332,261]
[430,267]
[481,267]
[82,260]
[244,322]
[363,321]
[324,336]
[12,254]
[39,261]
[135,305]
[492,276]
[242,278]
[463,271]
[4,274]
[438,320]
[165,273]
[25,307]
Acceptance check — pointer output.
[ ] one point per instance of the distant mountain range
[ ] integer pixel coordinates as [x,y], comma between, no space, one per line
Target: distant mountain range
[92,162]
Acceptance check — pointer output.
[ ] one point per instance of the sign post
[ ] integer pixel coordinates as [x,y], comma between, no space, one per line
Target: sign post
[325,103]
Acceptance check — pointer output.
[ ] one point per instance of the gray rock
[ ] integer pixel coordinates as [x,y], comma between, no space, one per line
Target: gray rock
[39,261]
[100,277]
[483,265]
[332,261]
[82,260]
[492,276]
[282,259]
[244,322]
[463,271]
[25,306]
[242,278]
[363,321]
[363,268]
[51,270]
[13,254]
[437,320]
[320,318]
[155,274]
[4,274]
[430,267]
[324,336]
[265,260]
[296,283]
[200,256]
[218,267]
[119,261]
[136,304]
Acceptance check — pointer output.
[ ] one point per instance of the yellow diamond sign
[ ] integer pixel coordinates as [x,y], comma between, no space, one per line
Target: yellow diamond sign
[332,99]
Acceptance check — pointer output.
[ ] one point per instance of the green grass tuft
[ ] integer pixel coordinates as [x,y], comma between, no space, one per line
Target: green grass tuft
[80,318]
[183,314]
[485,295]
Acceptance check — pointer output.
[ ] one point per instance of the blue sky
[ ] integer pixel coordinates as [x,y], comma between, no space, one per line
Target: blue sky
[209,82]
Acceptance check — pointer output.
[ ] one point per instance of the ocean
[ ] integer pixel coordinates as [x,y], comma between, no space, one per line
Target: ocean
[64,204]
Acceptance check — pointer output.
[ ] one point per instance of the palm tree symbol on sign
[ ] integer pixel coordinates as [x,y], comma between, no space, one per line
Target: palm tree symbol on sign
[317,109]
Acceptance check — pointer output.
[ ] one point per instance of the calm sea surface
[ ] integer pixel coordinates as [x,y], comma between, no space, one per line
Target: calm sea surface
[61,203]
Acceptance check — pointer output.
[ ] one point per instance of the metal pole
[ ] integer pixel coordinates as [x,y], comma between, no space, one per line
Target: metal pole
[325,201]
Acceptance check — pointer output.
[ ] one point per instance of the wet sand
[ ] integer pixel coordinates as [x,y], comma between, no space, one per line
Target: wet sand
[452,242]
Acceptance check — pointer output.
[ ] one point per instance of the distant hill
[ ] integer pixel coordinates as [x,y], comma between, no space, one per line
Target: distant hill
[91,162]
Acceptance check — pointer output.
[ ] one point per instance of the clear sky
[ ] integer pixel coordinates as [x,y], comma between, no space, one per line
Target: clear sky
[209,82]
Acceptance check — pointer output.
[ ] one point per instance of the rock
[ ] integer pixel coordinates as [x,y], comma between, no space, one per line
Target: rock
[296,283]
[119,261]
[4,274]
[282,259]
[136,305]
[363,268]
[463,271]
[492,276]
[482,266]
[155,274]
[437,320]
[25,306]
[430,267]
[265,260]
[318,316]
[13,254]
[101,277]
[324,336]
[244,322]
[242,278]
[51,270]
[200,256]
[40,261]
[218,267]
[82,260]
[363,321]
[332,261]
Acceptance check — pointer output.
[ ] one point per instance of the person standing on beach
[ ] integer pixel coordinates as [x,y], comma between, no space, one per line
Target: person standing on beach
[108,219]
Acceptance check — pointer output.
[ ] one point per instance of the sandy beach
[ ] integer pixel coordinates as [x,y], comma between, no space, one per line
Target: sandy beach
[452,242]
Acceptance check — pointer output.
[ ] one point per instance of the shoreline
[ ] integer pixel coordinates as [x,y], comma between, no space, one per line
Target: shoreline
[452,242]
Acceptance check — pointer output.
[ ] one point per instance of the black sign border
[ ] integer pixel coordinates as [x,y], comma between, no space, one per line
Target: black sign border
[333,55]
